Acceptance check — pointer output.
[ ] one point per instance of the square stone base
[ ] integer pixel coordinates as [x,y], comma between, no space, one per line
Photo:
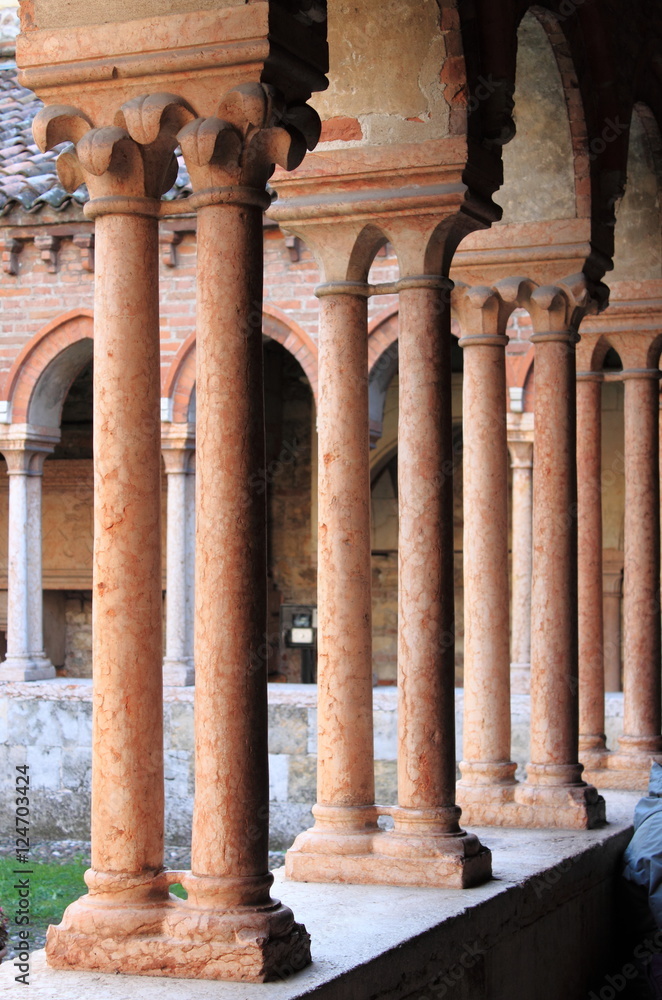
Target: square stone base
[450,870]
[520,804]
[172,939]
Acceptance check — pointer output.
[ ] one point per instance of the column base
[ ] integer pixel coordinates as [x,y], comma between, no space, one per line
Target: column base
[419,857]
[568,807]
[626,769]
[174,937]
[178,673]
[27,668]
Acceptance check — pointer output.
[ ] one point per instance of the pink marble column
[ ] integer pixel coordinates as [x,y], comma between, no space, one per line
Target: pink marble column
[589,565]
[486,741]
[427,818]
[641,577]
[521,461]
[554,773]
[127,769]
[612,587]
[230,880]
[345,815]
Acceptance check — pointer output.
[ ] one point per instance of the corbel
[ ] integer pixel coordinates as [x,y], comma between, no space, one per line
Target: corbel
[11,250]
[168,240]
[293,244]
[48,246]
[85,241]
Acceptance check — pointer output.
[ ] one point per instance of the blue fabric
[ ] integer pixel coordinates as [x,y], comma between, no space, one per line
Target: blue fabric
[643,855]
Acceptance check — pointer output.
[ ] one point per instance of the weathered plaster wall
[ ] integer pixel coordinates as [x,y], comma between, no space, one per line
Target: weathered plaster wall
[402,98]
[637,238]
[48,726]
[538,167]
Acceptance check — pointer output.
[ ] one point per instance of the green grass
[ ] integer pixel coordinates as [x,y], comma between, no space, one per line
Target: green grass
[52,887]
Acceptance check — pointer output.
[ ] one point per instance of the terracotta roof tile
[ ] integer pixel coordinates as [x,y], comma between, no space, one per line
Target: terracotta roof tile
[28,178]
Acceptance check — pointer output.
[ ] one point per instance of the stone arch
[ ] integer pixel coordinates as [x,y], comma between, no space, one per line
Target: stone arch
[40,378]
[179,382]
[574,108]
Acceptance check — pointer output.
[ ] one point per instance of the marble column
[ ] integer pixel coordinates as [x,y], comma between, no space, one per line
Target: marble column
[612,591]
[589,568]
[486,767]
[345,815]
[230,879]
[554,773]
[426,820]
[641,575]
[178,668]
[26,659]
[128,898]
[521,461]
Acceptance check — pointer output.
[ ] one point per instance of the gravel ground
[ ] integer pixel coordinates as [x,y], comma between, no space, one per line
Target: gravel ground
[61,851]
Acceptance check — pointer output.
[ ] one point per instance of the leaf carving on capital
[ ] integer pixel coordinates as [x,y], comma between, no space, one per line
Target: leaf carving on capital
[133,157]
[252,131]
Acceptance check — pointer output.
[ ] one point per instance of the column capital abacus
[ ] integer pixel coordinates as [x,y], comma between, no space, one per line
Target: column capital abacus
[231,156]
[590,377]
[521,454]
[359,288]
[127,166]
[25,454]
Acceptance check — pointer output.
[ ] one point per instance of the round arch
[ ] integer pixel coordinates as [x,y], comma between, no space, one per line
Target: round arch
[179,382]
[41,376]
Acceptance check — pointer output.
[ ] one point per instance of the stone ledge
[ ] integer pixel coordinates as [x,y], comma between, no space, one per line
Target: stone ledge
[540,928]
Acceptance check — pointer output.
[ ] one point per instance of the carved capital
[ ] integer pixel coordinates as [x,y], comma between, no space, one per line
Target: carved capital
[132,160]
[231,156]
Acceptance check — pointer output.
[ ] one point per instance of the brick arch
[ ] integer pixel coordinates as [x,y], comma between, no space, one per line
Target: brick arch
[49,361]
[179,382]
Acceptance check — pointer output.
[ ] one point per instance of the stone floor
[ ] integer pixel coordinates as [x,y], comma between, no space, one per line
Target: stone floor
[537,931]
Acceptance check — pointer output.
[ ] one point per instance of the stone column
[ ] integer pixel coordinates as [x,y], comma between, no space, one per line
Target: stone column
[521,461]
[229,160]
[426,821]
[26,659]
[178,669]
[554,784]
[345,814]
[589,563]
[641,575]
[487,771]
[120,923]
[612,588]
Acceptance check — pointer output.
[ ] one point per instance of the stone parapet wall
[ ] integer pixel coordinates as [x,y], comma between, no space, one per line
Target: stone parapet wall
[48,725]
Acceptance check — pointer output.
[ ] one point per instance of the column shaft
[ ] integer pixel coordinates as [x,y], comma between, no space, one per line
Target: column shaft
[589,560]
[18,563]
[641,578]
[554,714]
[486,744]
[426,650]
[127,768]
[26,659]
[178,662]
[522,556]
[345,771]
[230,820]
